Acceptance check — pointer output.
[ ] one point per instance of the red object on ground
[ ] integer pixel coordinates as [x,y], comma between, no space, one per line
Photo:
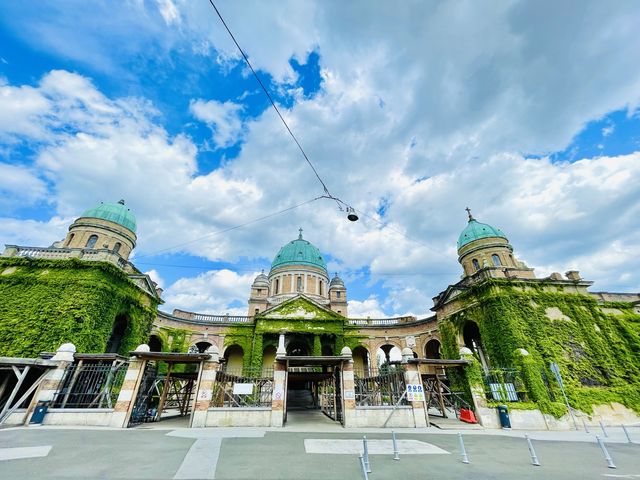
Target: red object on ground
[467,416]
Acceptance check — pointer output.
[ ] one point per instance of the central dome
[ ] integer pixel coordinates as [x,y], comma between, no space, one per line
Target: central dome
[299,252]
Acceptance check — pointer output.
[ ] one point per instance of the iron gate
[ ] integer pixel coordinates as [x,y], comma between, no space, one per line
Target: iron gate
[143,408]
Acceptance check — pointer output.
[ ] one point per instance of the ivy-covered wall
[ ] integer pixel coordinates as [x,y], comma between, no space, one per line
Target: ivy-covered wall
[44,303]
[598,353]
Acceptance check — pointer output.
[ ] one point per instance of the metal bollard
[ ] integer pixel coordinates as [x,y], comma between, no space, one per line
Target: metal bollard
[585,425]
[463,452]
[367,463]
[532,452]
[603,430]
[364,470]
[626,432]
[396,454]
[607,457]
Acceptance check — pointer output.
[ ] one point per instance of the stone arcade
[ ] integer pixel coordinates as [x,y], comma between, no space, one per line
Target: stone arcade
[297,353]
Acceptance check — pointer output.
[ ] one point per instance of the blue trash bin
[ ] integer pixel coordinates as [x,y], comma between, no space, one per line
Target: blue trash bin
[503,413]
[39,412]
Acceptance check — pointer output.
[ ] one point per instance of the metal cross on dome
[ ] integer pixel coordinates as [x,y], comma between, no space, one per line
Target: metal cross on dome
[300,236]
[469,213]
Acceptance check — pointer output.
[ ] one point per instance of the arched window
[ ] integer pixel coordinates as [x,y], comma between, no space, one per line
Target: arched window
[496,260]
[476,264]
[299,284]
[277,286]
[338,294]
[116,247]
[320,288]
[70,239]
[91,243]
[257,311]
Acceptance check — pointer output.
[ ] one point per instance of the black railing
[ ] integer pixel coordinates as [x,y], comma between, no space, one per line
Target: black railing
[380,387]
[504,385]
[243,388]
[92,385]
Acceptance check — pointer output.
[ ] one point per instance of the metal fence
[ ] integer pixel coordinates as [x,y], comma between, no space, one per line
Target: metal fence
[90,385]
[243,388]
[380,387]
[505,385]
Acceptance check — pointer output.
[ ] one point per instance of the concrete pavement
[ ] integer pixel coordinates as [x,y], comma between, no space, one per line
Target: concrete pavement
[254,453]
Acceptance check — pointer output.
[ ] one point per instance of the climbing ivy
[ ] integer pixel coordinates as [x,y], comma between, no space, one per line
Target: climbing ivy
[44,303]
[597,352]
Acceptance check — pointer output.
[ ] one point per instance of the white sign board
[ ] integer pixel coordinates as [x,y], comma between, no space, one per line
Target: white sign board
[242,388]
[278,391]
[415,393]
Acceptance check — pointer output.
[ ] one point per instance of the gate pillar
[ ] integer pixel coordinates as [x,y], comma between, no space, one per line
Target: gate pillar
[129,390]
[348,389]
[53,378]
[412,377]
[279,394]
[204,388]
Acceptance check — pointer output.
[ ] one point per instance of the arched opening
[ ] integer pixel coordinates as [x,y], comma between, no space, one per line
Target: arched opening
[116,247]
[268,357]
[276,287]
[155,344]
[234,356]
[298,348]
[432,349]
[117,334]
[472,340]
[203,346]
[388,353]
[361,360]
[476,264]
[327,350]
[91,243]
[496,260]
[70,239]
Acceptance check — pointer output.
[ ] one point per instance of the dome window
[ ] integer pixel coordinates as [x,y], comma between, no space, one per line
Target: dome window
[91,243]
[476,264]
[116,247]
[496,260]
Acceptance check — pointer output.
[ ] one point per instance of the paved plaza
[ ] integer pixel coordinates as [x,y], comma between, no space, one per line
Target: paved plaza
[327,451]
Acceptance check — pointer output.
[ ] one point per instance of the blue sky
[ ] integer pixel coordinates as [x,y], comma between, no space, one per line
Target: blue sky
[409,115]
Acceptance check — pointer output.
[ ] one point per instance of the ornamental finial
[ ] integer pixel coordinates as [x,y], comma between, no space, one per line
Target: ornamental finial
[469,213]
[300,235]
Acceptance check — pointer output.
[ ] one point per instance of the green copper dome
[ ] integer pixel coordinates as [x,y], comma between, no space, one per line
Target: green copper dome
[113,212]
[476,230]
[299,252]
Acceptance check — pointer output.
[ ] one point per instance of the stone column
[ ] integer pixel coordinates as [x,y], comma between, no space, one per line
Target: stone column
[317,346]
[412,377]
[281,351]
[129,391]
[53,379]
[204,388]
[348,389]
[279,395]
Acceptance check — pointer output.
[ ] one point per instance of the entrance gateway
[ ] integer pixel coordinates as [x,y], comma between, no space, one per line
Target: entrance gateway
[313,384]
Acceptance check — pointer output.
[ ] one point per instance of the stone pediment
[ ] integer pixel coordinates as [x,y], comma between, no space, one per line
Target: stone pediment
[300,307]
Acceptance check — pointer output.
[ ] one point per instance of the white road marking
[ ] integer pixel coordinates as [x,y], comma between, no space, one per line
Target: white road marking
[201,460]
[15,453]
[376,447]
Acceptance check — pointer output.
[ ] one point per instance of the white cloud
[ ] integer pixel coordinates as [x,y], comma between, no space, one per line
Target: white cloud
[222,117]
[367,308]
[211,292]
[429,116]
[169,12]
[19,187]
